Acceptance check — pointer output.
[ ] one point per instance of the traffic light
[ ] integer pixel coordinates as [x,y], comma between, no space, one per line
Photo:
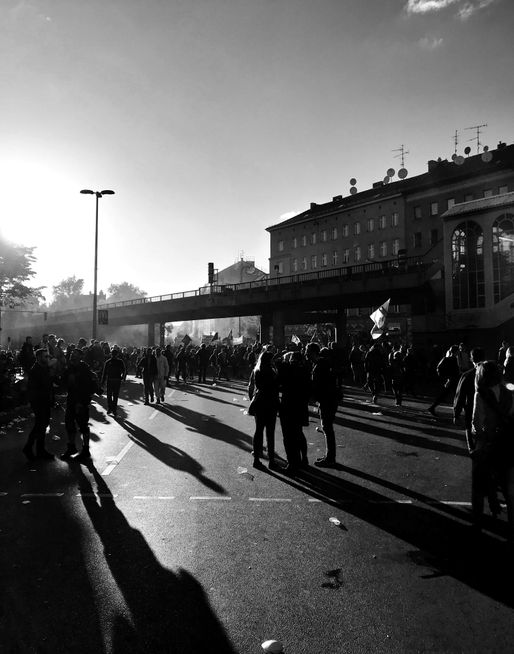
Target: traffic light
[210,272]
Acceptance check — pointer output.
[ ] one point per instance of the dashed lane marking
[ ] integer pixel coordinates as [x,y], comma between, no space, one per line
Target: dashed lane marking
[112,495]
[42,495]
[209,497]
[154,497]
[152,416]
[269,499]
[117,459]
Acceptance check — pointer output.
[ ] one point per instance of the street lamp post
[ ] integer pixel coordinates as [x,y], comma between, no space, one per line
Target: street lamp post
[98,195]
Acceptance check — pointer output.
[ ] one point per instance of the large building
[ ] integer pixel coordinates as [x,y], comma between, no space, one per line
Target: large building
[419,216]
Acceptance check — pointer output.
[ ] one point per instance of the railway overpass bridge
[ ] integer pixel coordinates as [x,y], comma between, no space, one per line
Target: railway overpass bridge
[301,298]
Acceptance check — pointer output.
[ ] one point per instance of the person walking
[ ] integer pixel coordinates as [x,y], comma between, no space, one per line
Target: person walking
[147,365]
[81,383]
[448,371]
[163,370]
[40,396]
[264,396]
[327,395]
[114,373]
[202,357]
[465,396]
[397,375]
[374,365]
[294,383]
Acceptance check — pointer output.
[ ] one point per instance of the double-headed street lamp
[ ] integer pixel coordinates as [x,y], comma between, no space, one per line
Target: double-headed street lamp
[98,195]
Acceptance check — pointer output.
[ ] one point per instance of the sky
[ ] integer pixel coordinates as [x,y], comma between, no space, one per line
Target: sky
[214,119]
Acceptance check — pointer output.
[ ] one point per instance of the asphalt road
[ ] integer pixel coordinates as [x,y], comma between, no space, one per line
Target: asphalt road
[169,541]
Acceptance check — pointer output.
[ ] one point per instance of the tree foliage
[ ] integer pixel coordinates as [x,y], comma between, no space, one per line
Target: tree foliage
[124,291]
[15,270]
[67,288]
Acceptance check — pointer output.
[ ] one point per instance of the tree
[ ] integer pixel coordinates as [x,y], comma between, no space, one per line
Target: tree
[68,294]
[124,291]
[16,269]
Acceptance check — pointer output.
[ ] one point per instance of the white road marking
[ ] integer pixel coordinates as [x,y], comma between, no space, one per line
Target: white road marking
[454,503]
[269,499]
[97,495]
[153,415]
[117,459]
[42,494]
[312,500]
[209,497]
[154,497]
[3,494]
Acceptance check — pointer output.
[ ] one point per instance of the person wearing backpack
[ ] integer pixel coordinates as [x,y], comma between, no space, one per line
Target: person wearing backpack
[493,446]
[449,373]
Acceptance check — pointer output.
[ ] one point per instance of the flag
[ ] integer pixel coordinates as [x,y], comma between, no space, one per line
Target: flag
[229,337]
[186,340]
[237,341]
[314,337]
[379,318]
[215,337]
[296,340]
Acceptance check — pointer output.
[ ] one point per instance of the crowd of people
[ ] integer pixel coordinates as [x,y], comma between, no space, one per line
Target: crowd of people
[282,384]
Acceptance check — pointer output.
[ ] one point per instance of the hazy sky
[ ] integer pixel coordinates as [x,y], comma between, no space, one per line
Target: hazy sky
[211,119]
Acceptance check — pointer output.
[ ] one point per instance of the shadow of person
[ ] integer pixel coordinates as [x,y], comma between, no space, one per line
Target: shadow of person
[446,541]
[169,611]
[170,455]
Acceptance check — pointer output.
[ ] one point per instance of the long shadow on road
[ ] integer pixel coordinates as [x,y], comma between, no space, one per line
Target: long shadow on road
[169,611]
[443,542]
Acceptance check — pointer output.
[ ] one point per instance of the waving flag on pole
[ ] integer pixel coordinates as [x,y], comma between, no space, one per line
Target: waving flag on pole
[379,318]
[186,340]
[296,340]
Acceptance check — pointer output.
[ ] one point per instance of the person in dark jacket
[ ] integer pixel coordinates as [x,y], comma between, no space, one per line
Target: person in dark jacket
[114,373]
[41,400]
[148,367]
[26,357]
[294,382]
[327,395]
[448,371]
[465,396]
[81,383]
[374,365]
[264,396]
[202,356]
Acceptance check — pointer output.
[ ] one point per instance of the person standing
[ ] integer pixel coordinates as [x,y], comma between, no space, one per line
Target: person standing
[163,370]
[374,365]
[41,400]
[202,356]
[81,383]
[294,381]
[264,396]
[114,373]
[448,371]
[148,367]
[465,396]
[26,356]
[327,395]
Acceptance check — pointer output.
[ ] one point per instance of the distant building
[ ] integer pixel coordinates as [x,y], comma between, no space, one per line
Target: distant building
[413,217]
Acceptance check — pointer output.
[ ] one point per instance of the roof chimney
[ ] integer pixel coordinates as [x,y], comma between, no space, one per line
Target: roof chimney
[378,184]
[313,205]
[337,198]
[501,145]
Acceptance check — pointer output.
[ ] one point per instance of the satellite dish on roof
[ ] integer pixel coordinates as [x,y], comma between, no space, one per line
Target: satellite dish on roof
[486,148]
[454,156]
[402,173]
[353,181]
[467,150]
[487,157]
[459,160]
[390,172]
[386,180]
[353,190]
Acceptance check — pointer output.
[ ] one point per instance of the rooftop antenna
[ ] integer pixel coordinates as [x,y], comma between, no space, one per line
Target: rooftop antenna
[455,143]
[403,172]
[477,137]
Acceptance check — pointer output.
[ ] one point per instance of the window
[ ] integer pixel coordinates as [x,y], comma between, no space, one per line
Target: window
[468,197]
[314,261]
[434,236]
[356,253]
[417,213]
[304,240]
[383,248]
[503,189]
[396,246]
[295,242]
[394,219]
[371,224]
[324,235]
[434,208]
[281,246]
[304,263]
[371,251]
[346,230]
[335,258]
[313,238]
[356,228]
[295,265]
[334,233]
[346,256]
[468,285]
[503,257]
[382,223]
[280,267]
[416,240]
[451,202]
[324,259]
[488,193]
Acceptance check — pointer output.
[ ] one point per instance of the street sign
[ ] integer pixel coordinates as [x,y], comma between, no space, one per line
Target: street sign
[103,316]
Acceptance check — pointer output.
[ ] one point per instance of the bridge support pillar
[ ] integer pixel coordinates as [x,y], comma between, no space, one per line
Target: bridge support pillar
[278,329]
[266,323]
[151,334]
[341,327]
[162,332]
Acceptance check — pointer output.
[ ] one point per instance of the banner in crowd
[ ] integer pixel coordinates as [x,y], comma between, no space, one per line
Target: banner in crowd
[379,318]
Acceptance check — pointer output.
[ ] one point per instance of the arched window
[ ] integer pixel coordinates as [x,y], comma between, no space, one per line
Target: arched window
[503,257]
[468,266]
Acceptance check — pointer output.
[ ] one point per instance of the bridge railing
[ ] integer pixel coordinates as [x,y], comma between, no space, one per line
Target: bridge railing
[354,272]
